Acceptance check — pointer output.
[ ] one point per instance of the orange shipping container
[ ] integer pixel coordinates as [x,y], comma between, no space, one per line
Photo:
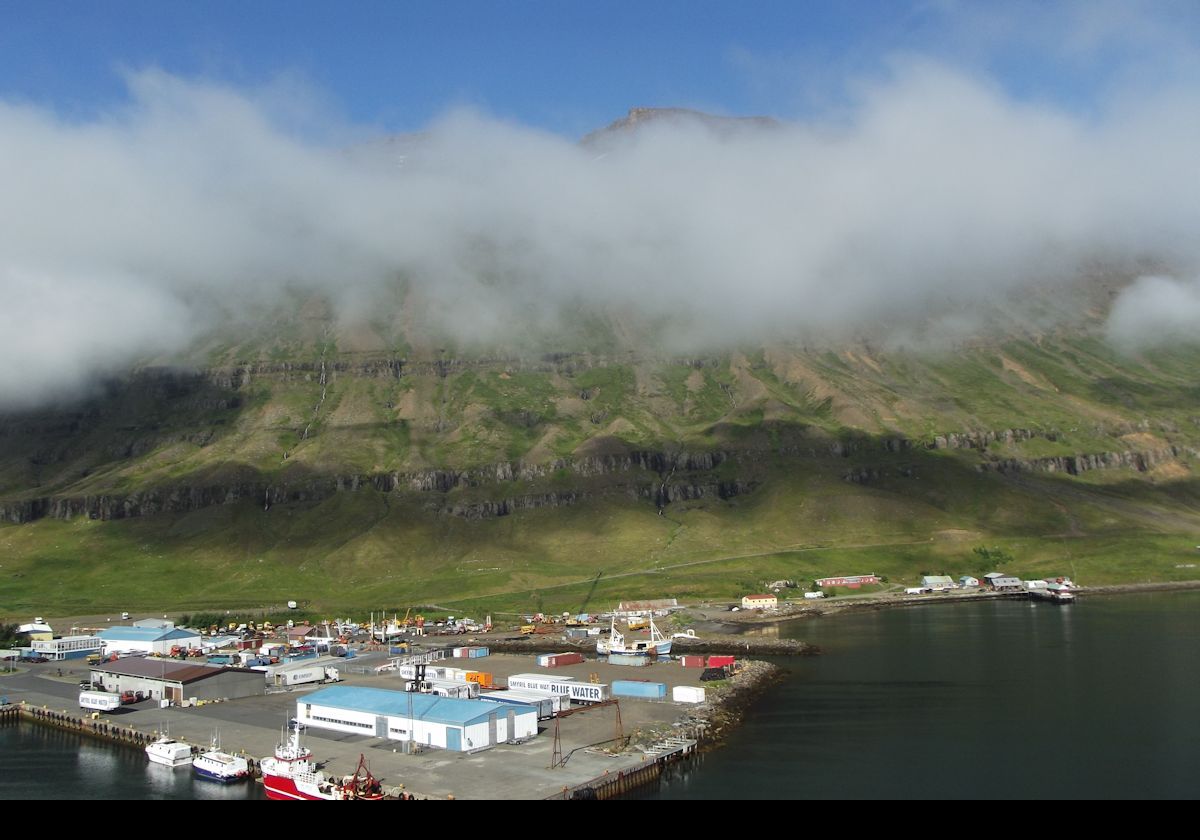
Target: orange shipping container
[482,677]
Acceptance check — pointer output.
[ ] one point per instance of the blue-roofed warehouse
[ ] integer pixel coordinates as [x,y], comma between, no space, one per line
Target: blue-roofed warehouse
[148,639]
[426,719]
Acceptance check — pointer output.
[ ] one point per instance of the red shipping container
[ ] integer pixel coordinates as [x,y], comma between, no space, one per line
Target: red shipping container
[559,659]
[719,661]
[691,661]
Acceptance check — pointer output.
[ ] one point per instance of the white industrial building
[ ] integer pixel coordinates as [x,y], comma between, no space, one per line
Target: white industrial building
[68,647]
[147,639]
[164,679]
[443,722]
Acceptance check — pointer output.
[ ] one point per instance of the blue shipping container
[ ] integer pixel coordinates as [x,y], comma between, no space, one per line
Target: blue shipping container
[637,688]
[628,659]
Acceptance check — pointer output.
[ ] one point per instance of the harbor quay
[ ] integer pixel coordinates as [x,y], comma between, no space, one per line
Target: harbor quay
[591,752]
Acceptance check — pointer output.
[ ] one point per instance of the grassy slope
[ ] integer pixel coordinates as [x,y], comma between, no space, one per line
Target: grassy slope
[368,550]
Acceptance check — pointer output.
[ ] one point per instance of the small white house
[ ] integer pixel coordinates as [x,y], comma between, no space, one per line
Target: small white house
[968,581]
[938,583]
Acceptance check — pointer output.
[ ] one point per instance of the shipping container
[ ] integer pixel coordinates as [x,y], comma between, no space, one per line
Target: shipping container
[557,660]
[639,688]
[578,692]
[546,704]
[98,701]
[691,661]
[687,694]
[300,676]
[445,688]
[477,652]
[482,677]
[629,659]
[719,661]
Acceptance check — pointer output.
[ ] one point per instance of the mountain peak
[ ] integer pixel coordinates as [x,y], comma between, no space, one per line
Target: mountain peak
[641,117]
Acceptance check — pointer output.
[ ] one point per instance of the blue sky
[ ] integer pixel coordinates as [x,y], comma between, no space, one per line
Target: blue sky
[569,67]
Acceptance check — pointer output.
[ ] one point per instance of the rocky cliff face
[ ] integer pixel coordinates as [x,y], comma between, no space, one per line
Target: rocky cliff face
[675,471]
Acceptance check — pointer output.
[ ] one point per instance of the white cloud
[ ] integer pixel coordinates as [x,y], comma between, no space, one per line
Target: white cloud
[1156,311]
[119,237]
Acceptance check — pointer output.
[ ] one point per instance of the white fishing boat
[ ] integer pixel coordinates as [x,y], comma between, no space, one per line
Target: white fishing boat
[220,766]
[657,645]
[167,751]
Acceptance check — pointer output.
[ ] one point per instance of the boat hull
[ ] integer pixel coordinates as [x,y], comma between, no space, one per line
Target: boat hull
[281,787]
[221,767]
[169,753]
[218,777]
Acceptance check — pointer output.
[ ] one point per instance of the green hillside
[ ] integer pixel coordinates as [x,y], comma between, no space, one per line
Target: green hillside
[370,466]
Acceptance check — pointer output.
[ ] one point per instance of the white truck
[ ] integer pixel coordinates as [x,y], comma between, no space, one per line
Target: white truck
[308,674]
[99,701]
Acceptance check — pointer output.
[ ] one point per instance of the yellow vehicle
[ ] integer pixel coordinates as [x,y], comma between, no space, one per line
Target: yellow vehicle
[94,658]
[528,629]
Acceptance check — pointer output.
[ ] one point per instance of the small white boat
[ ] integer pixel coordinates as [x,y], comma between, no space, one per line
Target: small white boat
[220,766]
[170,752]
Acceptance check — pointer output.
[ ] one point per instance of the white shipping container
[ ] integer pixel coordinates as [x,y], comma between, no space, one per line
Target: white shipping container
[543,703]
[557,701]
[99,701]
[409,672]
[576,691]
[448,688]
[300,676]
[687,694]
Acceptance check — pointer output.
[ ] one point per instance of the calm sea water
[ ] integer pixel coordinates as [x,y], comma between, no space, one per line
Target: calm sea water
[1098,699]
[37,762]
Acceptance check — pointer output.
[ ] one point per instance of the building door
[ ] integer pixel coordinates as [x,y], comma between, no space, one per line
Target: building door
[454,739]
[381,726]
[175,694]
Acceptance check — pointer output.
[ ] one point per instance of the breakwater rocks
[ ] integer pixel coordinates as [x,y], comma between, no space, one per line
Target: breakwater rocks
[710,721]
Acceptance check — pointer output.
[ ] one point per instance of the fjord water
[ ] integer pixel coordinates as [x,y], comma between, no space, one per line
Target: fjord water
[38,762]
[995,699]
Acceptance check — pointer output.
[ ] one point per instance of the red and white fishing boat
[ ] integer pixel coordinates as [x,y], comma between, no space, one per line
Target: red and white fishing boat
[291,774]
